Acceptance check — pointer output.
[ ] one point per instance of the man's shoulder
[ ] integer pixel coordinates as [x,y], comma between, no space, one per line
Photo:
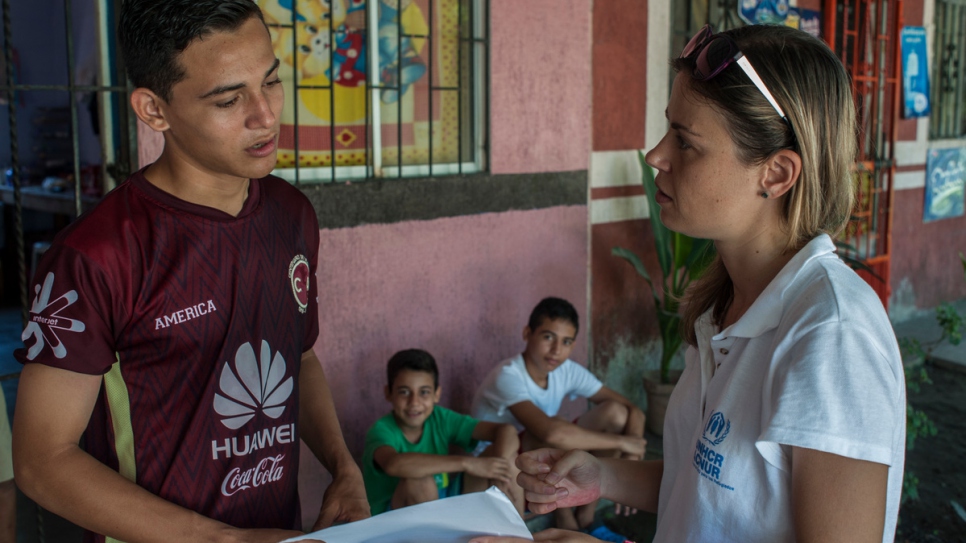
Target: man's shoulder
[280,189]
[99,227]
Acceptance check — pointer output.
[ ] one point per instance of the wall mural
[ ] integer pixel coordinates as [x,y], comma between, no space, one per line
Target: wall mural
[325,44]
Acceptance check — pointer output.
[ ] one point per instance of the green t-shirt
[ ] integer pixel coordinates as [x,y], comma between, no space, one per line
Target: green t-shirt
[442,429]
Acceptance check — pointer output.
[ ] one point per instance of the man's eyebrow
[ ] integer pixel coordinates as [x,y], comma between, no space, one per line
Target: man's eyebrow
[228,88]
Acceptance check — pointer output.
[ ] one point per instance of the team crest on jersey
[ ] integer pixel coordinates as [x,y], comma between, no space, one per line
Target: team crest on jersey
[257,383]
[46,319]
[298,276]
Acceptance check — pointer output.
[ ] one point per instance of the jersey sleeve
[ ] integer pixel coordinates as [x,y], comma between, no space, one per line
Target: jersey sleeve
[837,391]
[74,310]
[460,427]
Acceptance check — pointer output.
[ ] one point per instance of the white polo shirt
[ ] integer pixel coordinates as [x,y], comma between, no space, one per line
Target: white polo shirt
[813,363]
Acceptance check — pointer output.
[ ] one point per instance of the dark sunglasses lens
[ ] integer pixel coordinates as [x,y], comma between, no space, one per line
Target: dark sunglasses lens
[716,56]
[695,42]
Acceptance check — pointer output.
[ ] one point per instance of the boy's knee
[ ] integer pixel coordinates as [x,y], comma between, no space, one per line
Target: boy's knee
[411,491]
[614,416]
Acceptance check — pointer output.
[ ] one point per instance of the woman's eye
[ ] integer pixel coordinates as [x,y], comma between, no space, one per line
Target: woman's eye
[683,143]
[228,104]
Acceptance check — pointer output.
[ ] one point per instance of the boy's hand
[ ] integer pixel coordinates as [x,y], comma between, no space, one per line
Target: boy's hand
[489,467]
[632,447]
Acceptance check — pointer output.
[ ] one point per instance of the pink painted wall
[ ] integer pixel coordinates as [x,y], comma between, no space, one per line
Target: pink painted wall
[461,288]
[540,81]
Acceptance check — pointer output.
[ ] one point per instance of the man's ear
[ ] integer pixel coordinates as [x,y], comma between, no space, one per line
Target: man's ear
[782,172]
[526,333]
[438,393]
[385,390]
[148,107]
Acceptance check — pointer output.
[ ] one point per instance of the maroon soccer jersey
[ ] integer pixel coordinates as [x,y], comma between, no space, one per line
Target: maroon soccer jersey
[198,321]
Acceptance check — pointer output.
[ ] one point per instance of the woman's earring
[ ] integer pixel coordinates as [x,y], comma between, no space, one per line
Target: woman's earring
[764,195]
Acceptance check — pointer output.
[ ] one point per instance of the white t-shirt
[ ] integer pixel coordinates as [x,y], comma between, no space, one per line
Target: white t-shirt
[813,363]
[509,384]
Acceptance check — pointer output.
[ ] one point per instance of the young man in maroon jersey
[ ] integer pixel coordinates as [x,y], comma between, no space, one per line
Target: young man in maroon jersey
[173,324]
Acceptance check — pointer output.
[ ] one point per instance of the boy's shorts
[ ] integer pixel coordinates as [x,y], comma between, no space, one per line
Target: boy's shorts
[455,488]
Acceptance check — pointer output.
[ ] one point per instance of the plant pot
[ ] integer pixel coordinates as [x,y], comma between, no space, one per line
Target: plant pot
[658,394]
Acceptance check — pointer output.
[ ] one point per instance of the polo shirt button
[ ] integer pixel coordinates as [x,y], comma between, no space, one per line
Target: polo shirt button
[723,351]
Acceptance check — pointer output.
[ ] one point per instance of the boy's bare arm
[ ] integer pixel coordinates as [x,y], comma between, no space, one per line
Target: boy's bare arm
[565,435]
[418,465]
[504,437]
[53,409]
[345,498]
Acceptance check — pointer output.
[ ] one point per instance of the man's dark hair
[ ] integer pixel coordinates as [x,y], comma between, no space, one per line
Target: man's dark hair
[153,33]
[552,309]
[413,360]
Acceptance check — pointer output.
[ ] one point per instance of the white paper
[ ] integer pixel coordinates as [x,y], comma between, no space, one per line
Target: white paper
[450,520]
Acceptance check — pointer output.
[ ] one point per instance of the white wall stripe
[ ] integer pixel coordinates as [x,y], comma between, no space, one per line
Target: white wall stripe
[614,169]
[626,208]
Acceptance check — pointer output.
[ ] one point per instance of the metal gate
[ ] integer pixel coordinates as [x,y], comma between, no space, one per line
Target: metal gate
[865,35]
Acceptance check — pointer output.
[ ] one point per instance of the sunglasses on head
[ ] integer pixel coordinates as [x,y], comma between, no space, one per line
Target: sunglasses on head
[713,53]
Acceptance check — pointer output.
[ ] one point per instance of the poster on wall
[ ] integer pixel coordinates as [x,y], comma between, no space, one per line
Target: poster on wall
[945,184]
[780,13]
[915,74]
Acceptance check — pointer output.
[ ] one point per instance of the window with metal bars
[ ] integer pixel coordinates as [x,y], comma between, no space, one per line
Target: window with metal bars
[380,88]
[948,117]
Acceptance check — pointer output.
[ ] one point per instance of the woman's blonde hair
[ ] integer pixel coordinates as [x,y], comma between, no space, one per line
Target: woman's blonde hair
[813,88]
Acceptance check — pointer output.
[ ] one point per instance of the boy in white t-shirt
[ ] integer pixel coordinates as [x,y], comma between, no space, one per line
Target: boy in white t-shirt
[527,391]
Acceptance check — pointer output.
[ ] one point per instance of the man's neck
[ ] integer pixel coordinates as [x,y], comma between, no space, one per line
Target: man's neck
[185,182]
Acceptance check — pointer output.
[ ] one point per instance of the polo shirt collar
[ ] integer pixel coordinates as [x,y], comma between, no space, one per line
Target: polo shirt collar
[764,313]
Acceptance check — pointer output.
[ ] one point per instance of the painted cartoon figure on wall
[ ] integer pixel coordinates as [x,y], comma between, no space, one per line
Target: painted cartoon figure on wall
[399,59]
[329,51]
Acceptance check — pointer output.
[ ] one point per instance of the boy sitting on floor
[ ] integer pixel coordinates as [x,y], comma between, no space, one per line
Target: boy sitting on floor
[527,391]
[407,456]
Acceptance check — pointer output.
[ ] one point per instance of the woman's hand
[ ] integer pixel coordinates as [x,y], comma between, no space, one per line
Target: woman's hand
[552,478]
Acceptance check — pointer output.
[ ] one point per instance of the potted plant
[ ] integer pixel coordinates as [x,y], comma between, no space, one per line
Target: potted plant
[682,259]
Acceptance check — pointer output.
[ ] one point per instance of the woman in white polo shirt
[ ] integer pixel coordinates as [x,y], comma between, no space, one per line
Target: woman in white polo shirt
[788,423]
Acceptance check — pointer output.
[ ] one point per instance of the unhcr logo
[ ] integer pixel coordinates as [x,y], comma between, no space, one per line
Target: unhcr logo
[717,429]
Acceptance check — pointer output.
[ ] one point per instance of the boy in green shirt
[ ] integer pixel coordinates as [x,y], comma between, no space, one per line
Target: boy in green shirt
[407,457]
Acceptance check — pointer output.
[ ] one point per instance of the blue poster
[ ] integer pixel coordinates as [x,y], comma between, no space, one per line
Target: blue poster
[780,13]
[915,73]
[945,183]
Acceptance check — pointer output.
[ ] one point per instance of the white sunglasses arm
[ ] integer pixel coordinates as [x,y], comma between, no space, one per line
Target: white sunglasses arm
[753,75]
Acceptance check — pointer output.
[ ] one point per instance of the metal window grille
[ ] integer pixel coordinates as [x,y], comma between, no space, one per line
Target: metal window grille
[116,123]
[948,118]
[865,35]
[380,88]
